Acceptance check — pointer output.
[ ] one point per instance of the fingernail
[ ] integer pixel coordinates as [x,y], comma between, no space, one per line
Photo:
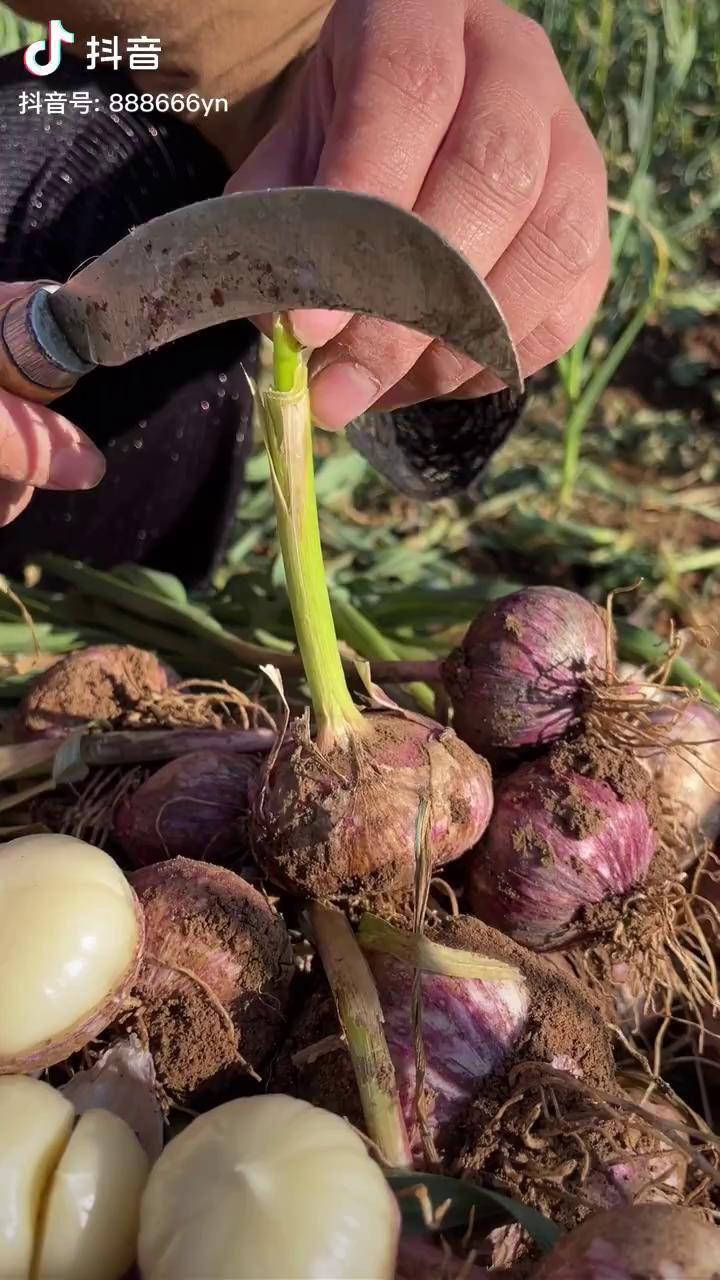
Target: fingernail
[75,468]
[315,328]
[339,393]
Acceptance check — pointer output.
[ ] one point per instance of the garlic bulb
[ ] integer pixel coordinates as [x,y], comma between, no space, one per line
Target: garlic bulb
[267,1188]
[69,1197]
[72,935]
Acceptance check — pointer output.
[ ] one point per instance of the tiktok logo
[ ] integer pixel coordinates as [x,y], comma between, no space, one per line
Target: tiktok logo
[57,37]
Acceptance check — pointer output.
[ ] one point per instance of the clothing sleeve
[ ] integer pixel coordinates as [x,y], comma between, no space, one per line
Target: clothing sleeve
[243,53]
[440,448]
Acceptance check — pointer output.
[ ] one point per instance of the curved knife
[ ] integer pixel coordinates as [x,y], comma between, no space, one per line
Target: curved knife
[244,255]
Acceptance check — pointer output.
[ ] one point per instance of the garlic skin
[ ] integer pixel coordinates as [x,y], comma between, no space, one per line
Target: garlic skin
[35,1125]
[90,1218]
[282,1190]
[122,1080]
[72,936]
[519,677]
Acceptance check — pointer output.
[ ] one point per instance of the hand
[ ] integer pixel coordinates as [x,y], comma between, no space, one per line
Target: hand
[39,449]
[459,111]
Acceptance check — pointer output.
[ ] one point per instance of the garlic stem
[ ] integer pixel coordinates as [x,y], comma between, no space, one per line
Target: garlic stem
[288,440]
[361,1018]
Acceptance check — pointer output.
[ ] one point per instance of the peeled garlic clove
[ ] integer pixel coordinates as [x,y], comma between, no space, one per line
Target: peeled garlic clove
[72,936]
[35,1124]
[89,1225]
[267,1187]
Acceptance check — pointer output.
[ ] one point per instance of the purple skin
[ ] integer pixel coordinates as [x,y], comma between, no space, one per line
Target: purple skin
[193,807]
[331,827]
[469,1029]
[691,779]
[519,676]
[538,867]
[652,1241]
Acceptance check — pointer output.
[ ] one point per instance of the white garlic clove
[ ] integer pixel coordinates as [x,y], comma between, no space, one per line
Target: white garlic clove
[72,934]
[88,1229]
[267,1188]
[122,1080]
[35,1124]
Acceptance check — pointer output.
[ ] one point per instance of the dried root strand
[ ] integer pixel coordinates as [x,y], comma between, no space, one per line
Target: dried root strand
[88,813]
[208,704]
[553,1139]
[660,946]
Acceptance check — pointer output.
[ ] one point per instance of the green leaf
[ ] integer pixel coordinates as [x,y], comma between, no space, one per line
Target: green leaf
[467,1197]
[163,585]
[339,475]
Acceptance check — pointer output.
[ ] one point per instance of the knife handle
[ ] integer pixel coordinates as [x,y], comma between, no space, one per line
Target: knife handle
[31,366]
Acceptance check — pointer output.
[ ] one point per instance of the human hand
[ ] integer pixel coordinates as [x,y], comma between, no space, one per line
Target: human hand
[459,111]
[39,449]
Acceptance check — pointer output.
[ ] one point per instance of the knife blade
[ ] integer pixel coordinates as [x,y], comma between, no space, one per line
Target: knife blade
[246,254]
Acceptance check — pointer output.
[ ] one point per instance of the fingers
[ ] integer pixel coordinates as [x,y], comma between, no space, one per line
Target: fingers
[564,235]
[460,111]
[42,449]
[14,290]
[400,71]
[288,156]
[13,500]
[556,248]
[39,448]
[553,337]
[484,181]
[433,377]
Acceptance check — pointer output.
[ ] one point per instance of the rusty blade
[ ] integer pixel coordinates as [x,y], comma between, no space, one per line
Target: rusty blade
[255,252]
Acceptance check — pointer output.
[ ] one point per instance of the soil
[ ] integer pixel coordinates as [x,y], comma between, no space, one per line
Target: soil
[326,1080]
[565,1021]
[618,769]
[215,979]
[513,625]
[645,369]
[102,684]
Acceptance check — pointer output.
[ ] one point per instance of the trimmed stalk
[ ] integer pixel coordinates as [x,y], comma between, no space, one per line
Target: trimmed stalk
[125,746]
[288,439]
[418,951]
[361,1018]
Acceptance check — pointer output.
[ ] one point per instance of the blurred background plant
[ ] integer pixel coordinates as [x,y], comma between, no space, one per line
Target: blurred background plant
[15,32]
[614,474]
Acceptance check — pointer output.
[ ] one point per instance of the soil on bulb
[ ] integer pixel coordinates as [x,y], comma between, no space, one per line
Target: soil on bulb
[342,825]
[565,1026]
[618,769]
[215,980]
[106,685]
